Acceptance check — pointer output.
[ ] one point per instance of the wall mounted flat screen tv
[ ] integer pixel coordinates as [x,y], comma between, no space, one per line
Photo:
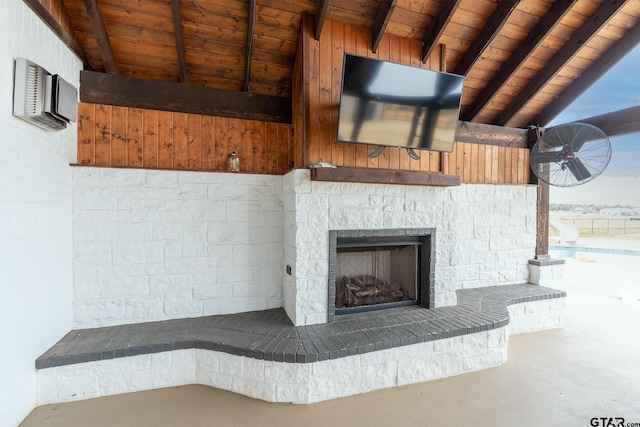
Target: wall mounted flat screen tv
[389,104]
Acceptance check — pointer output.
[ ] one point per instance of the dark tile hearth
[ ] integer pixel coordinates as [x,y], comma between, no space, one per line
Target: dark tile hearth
[269,335]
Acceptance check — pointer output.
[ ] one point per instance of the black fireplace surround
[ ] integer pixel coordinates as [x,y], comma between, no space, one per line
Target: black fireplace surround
[422,239]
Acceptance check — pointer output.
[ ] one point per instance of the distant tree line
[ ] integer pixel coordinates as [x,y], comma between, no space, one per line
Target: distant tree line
[593,208]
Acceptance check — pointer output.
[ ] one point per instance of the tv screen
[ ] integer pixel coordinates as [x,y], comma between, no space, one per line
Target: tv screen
[389,104]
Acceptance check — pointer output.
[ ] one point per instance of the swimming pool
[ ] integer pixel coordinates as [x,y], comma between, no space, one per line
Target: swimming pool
[570,251]
[611,257]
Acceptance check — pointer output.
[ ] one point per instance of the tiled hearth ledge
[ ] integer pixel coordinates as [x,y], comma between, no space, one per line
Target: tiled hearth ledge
[261,355]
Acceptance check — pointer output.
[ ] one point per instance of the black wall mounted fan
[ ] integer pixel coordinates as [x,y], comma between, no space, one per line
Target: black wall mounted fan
[570,154]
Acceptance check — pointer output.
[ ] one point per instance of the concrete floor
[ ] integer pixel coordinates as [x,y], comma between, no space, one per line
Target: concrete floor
[590,368]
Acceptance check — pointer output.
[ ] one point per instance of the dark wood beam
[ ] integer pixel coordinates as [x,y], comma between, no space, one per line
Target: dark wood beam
[593,73]
[112,89]
[321,14]
[437,27]
[494,24]
[251,25]
[533,134]
[595,21]
[542,221]
[548,22]
[177,31]
[443,57]
[478,133]
[380,23]
[102,36]
[383,176]
[617,123]
[57,29]
[542,202]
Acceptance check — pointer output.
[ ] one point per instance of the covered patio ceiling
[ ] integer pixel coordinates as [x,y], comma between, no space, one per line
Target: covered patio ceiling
[524,61]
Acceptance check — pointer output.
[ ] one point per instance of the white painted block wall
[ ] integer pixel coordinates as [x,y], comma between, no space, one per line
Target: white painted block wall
[153,245]
[36,275]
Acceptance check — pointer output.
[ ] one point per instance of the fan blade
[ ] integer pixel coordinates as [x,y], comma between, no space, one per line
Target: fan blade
[578,169]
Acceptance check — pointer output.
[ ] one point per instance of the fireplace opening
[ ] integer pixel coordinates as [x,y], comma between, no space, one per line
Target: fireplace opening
[382,271]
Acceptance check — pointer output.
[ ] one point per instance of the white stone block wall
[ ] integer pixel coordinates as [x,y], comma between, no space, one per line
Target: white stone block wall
[116,376]
[548,273]
[289,289]
[536,316]
[153,245]
[485,234]
[300,383]
[36,275]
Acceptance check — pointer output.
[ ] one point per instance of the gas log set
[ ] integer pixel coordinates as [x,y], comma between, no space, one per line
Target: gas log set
[367,290]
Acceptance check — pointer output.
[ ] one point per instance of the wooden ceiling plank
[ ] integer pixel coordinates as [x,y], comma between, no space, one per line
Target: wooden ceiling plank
[596,21]
[62,34]
[381,21]
[102,36]
[112,89]
[250,29]
[593,73]
[437,27]
[496,21]
[177,30]
[321,14]
[219,30]
[546,24]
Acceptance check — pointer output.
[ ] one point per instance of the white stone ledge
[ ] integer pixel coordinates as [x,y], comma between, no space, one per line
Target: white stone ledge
[536,316]
[300,383]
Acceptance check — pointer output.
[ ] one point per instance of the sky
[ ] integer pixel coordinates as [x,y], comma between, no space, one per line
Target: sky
[619,88]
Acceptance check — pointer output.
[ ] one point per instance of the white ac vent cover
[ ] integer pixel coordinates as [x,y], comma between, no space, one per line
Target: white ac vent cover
[33,94]
[35,80]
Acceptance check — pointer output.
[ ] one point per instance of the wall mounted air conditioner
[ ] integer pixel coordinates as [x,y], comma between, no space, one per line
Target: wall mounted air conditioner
[43,99]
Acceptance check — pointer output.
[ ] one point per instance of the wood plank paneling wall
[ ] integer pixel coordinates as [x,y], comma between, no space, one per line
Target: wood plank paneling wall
[317,80]
[487,164]
[115,136]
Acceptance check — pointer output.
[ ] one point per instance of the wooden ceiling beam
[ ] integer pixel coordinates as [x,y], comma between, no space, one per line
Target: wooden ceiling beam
[177,30]
[321,14]
[479,133]
[250,29]
[102,36]
[112,89]
[434,32]
[616,123]
[546,24]
[380,23]
[590,76]
[57,29]
[595,21]
[494,24]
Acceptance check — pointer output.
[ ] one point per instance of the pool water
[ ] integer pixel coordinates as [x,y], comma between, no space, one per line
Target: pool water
[610,256]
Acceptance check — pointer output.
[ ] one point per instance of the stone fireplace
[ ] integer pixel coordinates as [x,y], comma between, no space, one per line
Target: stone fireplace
[378,269]
[485,236]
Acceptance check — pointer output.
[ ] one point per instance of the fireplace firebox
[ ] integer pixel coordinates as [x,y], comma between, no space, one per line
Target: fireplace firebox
[379,269]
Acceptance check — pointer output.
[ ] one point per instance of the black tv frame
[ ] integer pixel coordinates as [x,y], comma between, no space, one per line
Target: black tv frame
[419,134]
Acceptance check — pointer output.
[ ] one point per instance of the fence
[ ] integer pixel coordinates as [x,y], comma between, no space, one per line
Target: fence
[592,226]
